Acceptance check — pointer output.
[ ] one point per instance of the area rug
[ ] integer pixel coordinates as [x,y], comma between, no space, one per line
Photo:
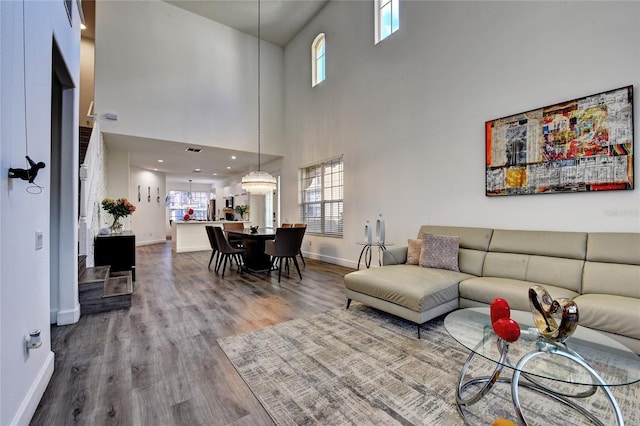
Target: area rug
[364,367]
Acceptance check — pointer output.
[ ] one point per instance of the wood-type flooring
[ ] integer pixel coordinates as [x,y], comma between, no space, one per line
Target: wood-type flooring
[158,362]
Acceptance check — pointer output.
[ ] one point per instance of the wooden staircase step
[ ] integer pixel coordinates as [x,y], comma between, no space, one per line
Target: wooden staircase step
[95,274]
[114,292]
[118,284]
[82,264]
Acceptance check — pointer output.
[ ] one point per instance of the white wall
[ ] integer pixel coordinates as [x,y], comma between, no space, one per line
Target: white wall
[173,75]
[408,114]
[149,220]
[24,272]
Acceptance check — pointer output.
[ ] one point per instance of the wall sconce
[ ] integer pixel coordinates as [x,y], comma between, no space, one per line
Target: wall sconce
[33,341]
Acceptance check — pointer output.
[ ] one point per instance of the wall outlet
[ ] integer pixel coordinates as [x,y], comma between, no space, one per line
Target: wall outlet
[39,240]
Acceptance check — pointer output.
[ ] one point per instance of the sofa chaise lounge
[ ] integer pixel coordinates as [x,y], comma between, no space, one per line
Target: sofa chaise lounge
[600,271]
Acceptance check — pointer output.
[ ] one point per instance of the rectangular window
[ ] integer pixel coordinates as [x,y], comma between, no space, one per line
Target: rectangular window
[320,197]
[180,202]
[387,14]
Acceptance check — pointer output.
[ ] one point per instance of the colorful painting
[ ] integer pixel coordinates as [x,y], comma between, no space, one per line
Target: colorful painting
[577,146]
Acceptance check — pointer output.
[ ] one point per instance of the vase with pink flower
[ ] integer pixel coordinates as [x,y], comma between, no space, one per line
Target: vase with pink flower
[118,209]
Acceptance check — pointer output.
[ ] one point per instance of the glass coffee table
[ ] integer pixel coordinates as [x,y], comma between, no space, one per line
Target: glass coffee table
[587,362]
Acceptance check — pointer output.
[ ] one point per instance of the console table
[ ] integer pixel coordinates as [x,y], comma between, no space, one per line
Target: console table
[366,252]
[116,250]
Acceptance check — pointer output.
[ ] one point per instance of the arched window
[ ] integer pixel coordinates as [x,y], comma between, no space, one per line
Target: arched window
[387,14]
[318,60]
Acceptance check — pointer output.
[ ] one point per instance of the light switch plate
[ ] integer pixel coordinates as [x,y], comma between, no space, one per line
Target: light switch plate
[38,240]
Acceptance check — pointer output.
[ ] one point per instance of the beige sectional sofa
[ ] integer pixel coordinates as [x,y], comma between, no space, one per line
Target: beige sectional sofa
[600,271]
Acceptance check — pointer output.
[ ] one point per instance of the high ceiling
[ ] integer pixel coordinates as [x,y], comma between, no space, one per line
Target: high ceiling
[280,22]
[179,164]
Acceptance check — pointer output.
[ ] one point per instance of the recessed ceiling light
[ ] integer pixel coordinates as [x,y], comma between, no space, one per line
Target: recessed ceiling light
[160,161]
[233,157]
[228,167]
[155,170]
[215,174]
[196,170]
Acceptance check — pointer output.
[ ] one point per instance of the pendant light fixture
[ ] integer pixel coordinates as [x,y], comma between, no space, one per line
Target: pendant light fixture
[190,204]
[259,182]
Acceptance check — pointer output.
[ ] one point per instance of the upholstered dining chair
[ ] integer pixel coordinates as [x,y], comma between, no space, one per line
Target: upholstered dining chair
[285,246]
[301,225]
[287,225]
[214,247]
[227,251]
[235,226]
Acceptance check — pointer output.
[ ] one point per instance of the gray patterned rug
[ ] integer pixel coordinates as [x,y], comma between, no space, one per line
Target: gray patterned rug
[364,367]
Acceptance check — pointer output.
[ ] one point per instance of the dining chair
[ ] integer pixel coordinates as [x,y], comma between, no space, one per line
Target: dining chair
[227,251]
[301,225]
[287,225]
[214,247]
[234,226]
[285,246]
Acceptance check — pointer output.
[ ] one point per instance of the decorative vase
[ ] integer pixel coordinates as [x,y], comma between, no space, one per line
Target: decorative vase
[116,226]
[380,229]
[367,232]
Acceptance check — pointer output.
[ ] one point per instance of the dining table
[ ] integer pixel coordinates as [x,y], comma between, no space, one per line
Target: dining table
[255,259]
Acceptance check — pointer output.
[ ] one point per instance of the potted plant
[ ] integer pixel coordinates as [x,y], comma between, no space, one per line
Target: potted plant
[241,209]
[118,209]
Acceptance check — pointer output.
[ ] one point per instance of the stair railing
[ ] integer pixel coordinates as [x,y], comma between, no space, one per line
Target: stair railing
[92,189]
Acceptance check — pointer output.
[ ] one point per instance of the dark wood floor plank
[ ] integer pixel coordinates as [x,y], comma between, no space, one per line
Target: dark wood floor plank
[159,362]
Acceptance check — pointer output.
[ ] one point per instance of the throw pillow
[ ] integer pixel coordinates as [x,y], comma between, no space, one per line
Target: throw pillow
[413,252]
[440,251]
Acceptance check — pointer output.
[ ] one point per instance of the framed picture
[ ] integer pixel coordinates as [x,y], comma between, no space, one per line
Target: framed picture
[581,145]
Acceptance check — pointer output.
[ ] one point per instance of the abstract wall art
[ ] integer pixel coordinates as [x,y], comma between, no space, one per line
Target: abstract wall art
[581,145]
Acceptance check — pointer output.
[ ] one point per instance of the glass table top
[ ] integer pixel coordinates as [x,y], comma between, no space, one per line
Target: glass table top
[614,362]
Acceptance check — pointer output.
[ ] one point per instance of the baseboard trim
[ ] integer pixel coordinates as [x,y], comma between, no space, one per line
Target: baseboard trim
[150,242]
[70,316]
[330,259]
[34,395]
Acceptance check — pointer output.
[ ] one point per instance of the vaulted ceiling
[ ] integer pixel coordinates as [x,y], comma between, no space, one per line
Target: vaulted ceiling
[280,22]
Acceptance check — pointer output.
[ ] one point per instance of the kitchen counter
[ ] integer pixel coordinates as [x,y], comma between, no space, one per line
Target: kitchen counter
[191,235]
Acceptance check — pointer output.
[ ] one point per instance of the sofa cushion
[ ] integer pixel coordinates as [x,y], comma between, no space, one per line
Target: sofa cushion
[611,278]
[413,287]
[614,247]
[570,245]
[470,238]
[553,271]
[414,248]
[615,314]
[516,292]
[474,243]
[440,251]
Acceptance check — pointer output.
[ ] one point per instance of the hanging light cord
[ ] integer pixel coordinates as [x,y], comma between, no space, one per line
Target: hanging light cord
[34,188]
[258,85]
[24,81]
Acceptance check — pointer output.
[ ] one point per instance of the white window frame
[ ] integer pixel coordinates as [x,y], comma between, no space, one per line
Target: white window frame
[394,7]
[318,60]
[197,200]
[320,197]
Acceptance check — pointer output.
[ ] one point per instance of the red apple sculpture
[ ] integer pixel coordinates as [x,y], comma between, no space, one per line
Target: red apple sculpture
[504,327]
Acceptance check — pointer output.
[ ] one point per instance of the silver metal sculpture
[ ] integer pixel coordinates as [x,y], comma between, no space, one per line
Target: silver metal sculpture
[556,320]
